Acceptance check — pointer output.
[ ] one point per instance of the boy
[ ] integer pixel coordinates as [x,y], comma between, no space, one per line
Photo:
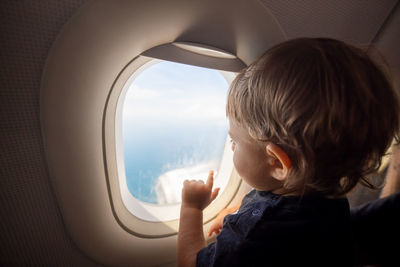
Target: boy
[308,121]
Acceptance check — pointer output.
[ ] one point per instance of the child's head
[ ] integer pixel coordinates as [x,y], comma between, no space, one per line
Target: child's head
[323,102]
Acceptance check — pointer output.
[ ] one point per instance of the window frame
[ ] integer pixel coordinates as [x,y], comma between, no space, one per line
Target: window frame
[132,214]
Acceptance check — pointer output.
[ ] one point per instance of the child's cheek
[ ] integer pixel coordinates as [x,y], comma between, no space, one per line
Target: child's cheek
[237,162]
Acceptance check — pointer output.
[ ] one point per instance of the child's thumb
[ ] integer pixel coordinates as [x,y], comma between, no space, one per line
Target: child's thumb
[214,194]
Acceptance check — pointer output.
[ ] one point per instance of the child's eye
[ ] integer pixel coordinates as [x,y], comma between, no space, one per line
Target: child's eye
[233,144]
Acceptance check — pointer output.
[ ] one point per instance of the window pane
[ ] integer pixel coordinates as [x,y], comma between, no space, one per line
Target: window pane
[174,128]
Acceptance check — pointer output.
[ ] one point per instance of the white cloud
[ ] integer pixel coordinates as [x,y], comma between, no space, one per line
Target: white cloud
[152,104]
[169,185]
[136,93]
[178,96]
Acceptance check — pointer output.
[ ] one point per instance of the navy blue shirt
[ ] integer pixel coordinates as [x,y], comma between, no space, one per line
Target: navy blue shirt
[376,227]
[274,230]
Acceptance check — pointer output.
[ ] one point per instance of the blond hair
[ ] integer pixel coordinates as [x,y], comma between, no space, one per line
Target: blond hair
[326,104]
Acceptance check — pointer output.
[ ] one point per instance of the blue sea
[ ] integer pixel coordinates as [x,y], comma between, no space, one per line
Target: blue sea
[150,151]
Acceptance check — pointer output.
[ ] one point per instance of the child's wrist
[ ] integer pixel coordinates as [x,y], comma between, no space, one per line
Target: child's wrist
[191,206]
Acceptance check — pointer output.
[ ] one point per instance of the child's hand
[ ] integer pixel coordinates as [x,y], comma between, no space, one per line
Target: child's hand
[196,194]
[217,224]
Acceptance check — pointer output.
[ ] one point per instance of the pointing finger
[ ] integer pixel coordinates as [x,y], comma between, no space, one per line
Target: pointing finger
[214,194]
[210,179]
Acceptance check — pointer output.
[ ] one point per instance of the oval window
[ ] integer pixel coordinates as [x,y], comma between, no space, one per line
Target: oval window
[173,128]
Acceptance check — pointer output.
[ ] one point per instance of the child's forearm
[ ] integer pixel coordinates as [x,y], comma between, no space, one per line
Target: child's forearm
[190,237]
[196,196]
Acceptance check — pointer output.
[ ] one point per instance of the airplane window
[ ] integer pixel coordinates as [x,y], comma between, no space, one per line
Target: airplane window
[173,128]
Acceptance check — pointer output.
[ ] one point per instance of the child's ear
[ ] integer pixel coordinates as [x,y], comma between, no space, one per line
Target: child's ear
[279,161]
